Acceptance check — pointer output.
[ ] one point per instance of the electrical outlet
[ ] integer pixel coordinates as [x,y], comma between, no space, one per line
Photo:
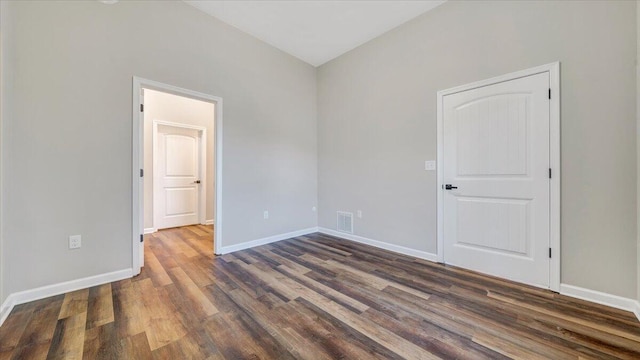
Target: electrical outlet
[75,241]
[359,214]
[265,215]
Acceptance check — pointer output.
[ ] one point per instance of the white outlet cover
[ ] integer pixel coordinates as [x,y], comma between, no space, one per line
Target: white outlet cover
[430,165]
[359,212]
[265,215]
[75,241]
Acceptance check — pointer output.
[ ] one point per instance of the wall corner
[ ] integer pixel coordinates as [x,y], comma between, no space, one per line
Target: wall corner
[638,150]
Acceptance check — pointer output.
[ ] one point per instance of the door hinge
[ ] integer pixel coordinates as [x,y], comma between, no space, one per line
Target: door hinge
[549,173]
[141,172]
[141,107]
[549,253]
[141,238]
[549,93]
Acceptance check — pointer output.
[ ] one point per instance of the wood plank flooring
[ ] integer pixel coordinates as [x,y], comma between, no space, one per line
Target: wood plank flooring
[311,297]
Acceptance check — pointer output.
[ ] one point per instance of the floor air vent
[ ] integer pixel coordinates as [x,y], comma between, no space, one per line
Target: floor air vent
[345,222]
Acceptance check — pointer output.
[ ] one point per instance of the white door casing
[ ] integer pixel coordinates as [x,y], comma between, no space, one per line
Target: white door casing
[137,162]
[179,174]
[495,146]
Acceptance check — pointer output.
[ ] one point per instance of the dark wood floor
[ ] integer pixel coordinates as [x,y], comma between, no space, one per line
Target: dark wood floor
[312,297]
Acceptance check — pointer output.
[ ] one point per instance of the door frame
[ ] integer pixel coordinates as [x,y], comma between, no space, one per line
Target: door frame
[137,160]
[554,160]
[202,166]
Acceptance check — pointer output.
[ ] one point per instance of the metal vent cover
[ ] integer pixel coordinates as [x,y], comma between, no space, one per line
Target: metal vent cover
[345,222]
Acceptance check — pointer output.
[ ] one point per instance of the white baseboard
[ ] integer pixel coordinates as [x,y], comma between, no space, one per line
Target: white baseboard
[266,240]
[60,288]
[6,308]
[383,245]
[209,222]
[150,230]
[602,298]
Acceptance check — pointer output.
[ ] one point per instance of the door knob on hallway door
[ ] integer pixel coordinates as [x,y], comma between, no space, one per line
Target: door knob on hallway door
[197,182]
[450,187]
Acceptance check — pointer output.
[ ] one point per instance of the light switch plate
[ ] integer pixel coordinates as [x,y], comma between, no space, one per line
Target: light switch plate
[430,165]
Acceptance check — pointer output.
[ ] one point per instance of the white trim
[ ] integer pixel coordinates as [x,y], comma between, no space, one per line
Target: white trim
[382,245]
[150,230]
[180,125]
[266,240]
[554,160]
[556,170]
[440,178]
[137,182]
[60,288]
[6,308]
[138,160]
[209,222]
[217,131]
[601,298]
[202,168]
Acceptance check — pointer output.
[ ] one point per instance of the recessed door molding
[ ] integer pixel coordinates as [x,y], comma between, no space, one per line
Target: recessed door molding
[553,69]
[137,155]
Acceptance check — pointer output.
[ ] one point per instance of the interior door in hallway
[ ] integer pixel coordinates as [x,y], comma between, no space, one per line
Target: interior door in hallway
[176,176]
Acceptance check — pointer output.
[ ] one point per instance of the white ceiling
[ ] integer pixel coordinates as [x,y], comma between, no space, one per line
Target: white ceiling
[315,31]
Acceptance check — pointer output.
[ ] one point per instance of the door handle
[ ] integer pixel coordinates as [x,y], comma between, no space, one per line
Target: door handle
[450,187]
[197,182]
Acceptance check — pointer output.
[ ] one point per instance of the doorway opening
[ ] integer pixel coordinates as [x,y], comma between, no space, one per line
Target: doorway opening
[177,148]
[178,188]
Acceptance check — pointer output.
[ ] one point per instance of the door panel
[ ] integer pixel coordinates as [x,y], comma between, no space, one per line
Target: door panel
[180,155]
[495,224]
[181,201]
[503,120]
[496,152]
[176,199]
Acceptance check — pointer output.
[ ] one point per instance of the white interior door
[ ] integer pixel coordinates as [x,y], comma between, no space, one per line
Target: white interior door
[176,177]
[496,161]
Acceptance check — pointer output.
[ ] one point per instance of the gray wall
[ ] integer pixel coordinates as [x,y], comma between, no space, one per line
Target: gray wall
[67,140]
[4,108]
[177,109]
[377,123]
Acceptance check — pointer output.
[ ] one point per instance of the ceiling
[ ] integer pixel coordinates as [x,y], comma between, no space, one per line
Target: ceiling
[315,31]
